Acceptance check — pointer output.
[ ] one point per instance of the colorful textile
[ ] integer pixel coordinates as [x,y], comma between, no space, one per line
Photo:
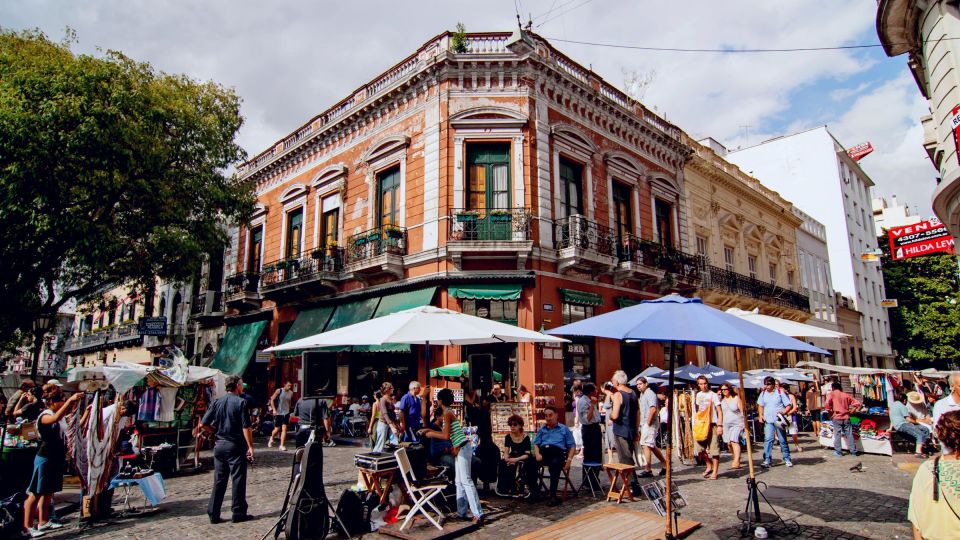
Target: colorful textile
[149,405]
[152,487]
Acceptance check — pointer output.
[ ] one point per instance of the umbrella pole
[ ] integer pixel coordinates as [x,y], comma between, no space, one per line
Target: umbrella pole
[752,513]
[668,501]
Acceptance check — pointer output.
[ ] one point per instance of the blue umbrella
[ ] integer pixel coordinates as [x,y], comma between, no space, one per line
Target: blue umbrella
[676,319]
[653,374]
[690,372]
[751,382]
[785,374]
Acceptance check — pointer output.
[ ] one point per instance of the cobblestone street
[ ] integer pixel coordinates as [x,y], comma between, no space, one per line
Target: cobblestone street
[821,493]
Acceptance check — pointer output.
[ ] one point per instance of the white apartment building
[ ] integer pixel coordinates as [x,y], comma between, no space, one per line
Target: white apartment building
[813,260]
[887,215]
[812,169]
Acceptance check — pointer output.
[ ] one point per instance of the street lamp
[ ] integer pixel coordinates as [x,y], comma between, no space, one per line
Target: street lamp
[41,324]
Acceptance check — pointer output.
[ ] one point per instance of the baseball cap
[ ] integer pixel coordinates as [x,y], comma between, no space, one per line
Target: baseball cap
[55,382]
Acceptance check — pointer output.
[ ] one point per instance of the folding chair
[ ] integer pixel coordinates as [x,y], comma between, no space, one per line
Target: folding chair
[420,495]
[565,481]
[590,477]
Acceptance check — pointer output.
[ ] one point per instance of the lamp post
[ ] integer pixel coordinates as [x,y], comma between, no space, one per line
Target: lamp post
[41,324]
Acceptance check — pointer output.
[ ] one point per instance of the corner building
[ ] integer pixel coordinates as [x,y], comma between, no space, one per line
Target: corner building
[502,180]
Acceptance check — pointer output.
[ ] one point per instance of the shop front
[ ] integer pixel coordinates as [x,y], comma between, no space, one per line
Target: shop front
[498,302]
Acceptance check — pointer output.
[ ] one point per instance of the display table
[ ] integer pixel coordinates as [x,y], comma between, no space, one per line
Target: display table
[868,445]
[151,487]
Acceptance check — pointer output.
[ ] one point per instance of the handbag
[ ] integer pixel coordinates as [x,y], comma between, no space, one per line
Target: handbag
[701,425]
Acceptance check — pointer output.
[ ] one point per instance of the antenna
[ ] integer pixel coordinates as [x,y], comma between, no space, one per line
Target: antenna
[746,133]
[519,24]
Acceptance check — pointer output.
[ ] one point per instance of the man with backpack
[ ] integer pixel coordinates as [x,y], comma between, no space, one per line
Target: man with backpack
[775,408]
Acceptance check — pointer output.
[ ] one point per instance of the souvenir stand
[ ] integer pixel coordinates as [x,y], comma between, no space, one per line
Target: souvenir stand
[875,389]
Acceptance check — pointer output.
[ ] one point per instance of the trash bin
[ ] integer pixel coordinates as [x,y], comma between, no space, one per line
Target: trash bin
[16,468]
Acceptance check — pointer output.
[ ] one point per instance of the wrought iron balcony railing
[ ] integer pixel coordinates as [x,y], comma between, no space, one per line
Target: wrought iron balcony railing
[242,283]
[301,269]
[579,232]
[655,255]
[496,224]
[207,302]
[375,242]
[739,284]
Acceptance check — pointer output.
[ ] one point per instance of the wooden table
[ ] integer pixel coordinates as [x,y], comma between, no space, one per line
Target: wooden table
[621,472]
[611,523]
[374,481]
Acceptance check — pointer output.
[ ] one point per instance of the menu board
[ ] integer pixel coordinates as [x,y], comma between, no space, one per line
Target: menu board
[501,412]
[457,394]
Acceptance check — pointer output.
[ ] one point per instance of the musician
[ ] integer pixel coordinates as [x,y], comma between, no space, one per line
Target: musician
[229,418]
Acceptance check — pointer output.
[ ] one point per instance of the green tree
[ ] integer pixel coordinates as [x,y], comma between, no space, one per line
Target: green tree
[925,326]
[110,172]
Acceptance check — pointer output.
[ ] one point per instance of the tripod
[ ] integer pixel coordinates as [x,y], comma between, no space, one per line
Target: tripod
[295,477]
[751,516]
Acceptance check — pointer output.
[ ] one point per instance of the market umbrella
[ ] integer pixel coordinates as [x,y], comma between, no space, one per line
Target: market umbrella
[691,372]
[785,374]
[784,326]
[455,371]
[750,382]
[424,325]
[680,320]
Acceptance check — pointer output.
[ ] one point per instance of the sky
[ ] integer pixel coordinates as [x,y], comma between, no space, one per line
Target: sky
[289,60]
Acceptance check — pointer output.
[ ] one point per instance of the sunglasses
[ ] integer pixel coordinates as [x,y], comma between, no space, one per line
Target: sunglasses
[511,424]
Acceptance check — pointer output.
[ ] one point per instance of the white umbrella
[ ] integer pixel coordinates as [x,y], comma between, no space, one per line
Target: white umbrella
[425,325]
[786,327]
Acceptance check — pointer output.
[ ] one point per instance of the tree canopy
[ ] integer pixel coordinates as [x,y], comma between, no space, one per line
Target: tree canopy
[925,327]
[110,172]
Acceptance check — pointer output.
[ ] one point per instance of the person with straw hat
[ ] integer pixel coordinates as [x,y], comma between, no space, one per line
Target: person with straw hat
[902,422]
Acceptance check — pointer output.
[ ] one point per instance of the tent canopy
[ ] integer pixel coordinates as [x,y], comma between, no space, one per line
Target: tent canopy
[786,327]
[455,371]
[125,375]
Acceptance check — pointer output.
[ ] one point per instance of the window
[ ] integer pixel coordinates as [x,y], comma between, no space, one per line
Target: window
[571,186]
[294,233]
[388,202]
[876,294]
[576,312]
[498,310]
[623,218]
[256,248]
[728,258]
[773,273]
[488,182]
[752,265]
[866,224]
[664,219]
[804,269]
[329,220]
[790,278]
[701,246]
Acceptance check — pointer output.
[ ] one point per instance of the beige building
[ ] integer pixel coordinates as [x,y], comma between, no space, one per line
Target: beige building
[748,235]
[926,31]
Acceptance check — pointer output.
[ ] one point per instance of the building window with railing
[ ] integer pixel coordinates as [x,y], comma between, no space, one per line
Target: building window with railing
[773,273]
[752,265]
[256,250]
[571,186]
[329,221]
[663,218]
[504,311]
[728,258]
[294,233]
[790,278]
[701,246]
[488,182]
[388,197]
[623,222]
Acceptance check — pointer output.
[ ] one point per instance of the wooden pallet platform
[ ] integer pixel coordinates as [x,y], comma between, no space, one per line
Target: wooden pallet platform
[611,524]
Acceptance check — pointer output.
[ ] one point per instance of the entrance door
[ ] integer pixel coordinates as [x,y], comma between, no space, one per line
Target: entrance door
[489,191]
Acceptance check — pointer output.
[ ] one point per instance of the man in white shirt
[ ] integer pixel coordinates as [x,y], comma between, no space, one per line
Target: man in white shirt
[707,399]
[649,425]
[947,404]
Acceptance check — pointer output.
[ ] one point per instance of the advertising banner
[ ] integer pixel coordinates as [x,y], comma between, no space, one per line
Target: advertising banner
[859,151]
[924,238]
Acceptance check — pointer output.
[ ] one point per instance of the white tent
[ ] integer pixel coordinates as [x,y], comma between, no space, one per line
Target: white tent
[123,376]
[786,327]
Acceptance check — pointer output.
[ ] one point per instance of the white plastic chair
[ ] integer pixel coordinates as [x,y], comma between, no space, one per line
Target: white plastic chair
[420,495]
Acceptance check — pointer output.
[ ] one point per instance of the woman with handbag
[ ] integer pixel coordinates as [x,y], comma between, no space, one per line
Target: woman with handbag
[707,426]
[467,495]
[732,421]
[934,507]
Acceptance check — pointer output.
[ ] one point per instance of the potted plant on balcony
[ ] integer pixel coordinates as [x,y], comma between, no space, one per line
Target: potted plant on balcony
[499,216]
[393,232]
[467,216]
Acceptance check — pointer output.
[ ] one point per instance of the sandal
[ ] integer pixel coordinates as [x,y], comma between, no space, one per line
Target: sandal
[707,473]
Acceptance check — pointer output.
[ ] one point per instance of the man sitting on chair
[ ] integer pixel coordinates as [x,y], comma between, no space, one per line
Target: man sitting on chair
[554,448]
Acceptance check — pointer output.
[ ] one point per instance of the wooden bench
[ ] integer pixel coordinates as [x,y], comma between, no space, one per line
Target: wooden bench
[621,472]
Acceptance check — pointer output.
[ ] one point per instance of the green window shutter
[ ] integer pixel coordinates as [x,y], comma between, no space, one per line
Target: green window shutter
[582,298]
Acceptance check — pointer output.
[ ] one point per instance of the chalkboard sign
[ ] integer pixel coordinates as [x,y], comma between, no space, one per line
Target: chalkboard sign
[501,412]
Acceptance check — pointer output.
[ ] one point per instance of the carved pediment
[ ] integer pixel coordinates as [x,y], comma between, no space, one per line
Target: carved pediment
[488,117]
[293,192]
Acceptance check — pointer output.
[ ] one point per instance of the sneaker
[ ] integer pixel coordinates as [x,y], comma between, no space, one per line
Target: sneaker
[283,448]
[838,454]
[663,472]
[35,533]
[855,454]
[270,443]
[50,526]
[645,474]
[330,444]
[788,463]
[765,464]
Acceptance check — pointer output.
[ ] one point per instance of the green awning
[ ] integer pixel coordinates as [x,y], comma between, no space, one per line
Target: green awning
[487,292]
[623,301]
[398,302]
[455,371]
[237,349]
[352,313]
[308,323]
[571,296]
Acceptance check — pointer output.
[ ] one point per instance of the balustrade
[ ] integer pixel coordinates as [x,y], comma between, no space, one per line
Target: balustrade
[497,224]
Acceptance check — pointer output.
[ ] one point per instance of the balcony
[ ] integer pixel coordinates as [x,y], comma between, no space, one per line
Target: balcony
[584,246]
[732,289]
[492,232]
[208,308]
[243,291]
[645,262]
[312,275]
[376,253]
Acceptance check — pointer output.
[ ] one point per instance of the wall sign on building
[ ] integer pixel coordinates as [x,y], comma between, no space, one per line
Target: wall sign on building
[859,151]
[924,238]
[152,326]
[955,122]
[889,302]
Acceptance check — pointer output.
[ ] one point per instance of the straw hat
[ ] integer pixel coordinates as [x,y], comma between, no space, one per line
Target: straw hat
[915,398]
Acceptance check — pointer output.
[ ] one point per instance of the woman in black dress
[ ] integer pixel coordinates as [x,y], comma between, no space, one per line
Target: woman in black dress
[517,447]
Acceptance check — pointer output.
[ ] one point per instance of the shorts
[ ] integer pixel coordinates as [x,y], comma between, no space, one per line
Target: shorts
[648,435]
[711,446]
[280,420]
[793,429]
[625,450]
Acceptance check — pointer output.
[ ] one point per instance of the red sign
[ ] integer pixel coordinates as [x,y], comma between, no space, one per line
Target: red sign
[924,238]
[955,121]
[859,151]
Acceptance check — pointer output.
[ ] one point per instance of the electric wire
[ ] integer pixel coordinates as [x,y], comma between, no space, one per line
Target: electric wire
[728,51]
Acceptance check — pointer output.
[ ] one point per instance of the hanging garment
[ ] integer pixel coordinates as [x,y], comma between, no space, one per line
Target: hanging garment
[149,402]
[168,400]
